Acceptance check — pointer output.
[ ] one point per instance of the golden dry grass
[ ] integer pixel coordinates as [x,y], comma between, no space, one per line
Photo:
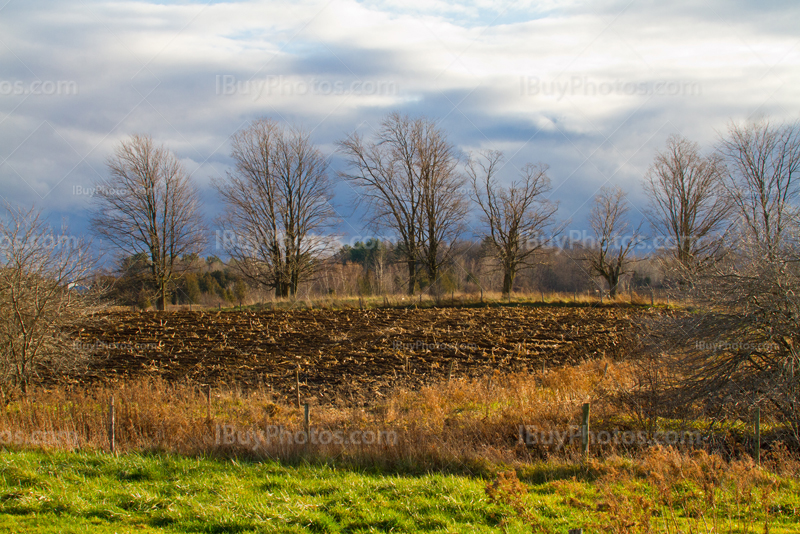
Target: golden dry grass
[471,424]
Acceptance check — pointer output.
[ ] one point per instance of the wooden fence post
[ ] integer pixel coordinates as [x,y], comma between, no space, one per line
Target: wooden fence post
[111,426]
[757,454]
[450,371]
[208,402]
[297,384]
[307,422]
[585,431]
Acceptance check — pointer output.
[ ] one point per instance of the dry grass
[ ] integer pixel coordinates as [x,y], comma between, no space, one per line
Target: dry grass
[642,298]
[447,422]
[463,424]
[689,492]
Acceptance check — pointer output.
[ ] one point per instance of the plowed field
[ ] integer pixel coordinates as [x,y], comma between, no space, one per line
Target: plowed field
[350,355]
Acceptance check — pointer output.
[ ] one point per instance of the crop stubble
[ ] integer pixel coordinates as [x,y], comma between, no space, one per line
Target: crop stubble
[349,354]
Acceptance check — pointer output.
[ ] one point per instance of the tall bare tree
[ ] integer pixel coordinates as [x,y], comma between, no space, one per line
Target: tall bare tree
[688,206]
[517,217]
[742,351]
[43,279]
[278,204]
[149,205]
[615,237]
[764,162]
[444,205]
[407,176]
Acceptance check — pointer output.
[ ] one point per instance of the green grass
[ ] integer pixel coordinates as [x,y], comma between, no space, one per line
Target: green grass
[88,492]
[96,492]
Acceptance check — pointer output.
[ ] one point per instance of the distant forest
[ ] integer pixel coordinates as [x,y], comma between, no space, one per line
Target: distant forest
[370,269]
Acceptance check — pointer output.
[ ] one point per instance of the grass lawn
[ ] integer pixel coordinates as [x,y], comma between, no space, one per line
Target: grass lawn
[96,492]
[87,492]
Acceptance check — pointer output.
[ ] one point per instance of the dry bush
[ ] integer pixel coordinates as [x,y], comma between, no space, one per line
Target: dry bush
[696,491]
[738,349]
[39,271]
[780,460]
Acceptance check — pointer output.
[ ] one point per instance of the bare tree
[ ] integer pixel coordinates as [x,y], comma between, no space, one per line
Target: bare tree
[444,205]
[42,274]
[689,206]
[278,203]
[615,237]
[517,217]
[149,205]
[742,350]
[408,178]
[764,165]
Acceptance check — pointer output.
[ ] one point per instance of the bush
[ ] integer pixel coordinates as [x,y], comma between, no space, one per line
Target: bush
[43,291]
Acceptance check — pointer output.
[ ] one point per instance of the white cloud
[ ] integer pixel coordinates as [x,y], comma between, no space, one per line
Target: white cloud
[591,88]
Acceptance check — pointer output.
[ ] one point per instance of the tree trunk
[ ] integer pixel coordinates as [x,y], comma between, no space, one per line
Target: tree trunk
[412,276]
[294,283]
[508,281]
[433,274]
[159,284]
[161,300]
[613,285]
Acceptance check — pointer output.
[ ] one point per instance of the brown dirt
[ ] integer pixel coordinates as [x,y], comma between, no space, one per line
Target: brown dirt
[349,355]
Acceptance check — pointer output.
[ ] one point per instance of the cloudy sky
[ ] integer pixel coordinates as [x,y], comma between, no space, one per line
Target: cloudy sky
[592,89]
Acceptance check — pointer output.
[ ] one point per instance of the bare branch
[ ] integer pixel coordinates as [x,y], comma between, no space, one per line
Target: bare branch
[278,202]
[42,274]
[149,205]
[689,206]
[615,237]
[407,176]
[517,217]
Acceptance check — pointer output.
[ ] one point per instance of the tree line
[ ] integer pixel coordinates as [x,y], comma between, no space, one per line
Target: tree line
[278,216]
[415,186]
